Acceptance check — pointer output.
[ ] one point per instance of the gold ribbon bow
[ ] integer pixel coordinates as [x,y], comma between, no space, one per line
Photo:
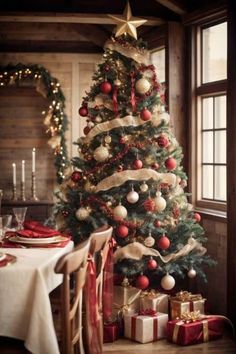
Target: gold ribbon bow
[151,294]
[184,296]
[193,316]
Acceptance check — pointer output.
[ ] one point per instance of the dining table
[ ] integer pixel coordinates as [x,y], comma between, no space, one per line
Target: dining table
[25,285]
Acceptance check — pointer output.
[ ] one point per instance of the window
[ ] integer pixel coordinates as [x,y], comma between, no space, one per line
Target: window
[210,98]
[158,60]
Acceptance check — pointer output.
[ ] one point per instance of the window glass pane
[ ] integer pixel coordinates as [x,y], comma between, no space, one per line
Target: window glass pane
[220,146]
[207,113]
[207,147]
[220,112]
[158,60]
[207,182]
[220,183]
[214,52]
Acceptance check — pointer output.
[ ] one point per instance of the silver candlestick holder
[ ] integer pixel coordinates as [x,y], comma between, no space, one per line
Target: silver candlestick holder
[22,190]
[14,197]
[33,187]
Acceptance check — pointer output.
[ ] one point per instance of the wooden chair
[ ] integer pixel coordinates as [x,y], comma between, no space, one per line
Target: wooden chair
[73,263]
[99,248]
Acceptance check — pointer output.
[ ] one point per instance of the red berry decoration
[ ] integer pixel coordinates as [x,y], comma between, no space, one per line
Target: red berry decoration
[65,213]
[197,217]
[86,130]
[122,231]
[105,87]
[149,204]
[163,243]
[137,164]
[155,166]
[162,141]
[76,176]
[170,163]
[106,67]
[152,264]
[142,282]
[145,114]
[83,111]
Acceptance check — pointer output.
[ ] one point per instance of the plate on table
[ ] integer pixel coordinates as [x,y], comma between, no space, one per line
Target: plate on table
[2,256]
[38,241]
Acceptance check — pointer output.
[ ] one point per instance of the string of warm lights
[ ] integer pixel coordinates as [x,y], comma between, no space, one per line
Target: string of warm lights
[55,118]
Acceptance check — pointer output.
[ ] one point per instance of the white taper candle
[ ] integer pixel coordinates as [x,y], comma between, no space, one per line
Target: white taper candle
[23,171]
[33,159]
[14,173]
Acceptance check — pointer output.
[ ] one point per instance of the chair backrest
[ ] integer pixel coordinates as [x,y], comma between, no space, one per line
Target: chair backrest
[100,245]
[74,262]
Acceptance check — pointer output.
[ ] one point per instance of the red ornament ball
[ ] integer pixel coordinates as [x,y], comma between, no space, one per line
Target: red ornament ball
[83,111]
[122,231]
[163,243]
[197,217]
[155,166]
[145,114]
[86,130]
[157,223]
[170,163]
[105,87]
[152,264]
[137,164]
[149,204]
[76,176]
[142,282]
[162,141]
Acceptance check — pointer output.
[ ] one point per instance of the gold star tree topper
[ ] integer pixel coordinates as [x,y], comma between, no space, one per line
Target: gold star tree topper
[127,23]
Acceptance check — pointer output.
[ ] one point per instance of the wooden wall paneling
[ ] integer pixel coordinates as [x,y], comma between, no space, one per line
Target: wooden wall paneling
[175,74]
[231,162]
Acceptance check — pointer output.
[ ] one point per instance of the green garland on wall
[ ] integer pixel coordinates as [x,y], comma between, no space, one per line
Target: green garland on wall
[55,118]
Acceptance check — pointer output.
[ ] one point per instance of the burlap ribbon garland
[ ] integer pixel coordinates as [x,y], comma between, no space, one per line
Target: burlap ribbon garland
[124,122]
[144,174]
[136,250]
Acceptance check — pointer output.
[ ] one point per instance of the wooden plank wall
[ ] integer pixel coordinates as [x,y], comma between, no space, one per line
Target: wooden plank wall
[74,72]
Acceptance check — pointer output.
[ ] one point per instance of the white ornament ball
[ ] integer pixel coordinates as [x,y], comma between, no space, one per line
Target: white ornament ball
[167,282]
[132,197]
[149,241]
[90,125]
[192,273]
[120,212]
[142,86]
[160,202]
[144,187]
[82,213]
[101,153]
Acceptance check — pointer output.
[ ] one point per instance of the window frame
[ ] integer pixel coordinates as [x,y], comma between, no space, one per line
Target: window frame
[198,91]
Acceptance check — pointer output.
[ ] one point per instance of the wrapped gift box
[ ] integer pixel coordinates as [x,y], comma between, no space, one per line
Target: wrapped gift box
[110,332]
[184,302]
[145,328]
[154,300]
[183,333]
[126,300]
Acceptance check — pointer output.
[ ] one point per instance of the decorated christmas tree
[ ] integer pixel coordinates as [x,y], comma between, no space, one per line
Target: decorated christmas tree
[128,171]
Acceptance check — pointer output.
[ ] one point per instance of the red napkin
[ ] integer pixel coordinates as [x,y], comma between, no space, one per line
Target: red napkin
[34,229]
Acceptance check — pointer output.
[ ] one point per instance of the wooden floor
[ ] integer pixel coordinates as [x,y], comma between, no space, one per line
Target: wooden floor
[125,346]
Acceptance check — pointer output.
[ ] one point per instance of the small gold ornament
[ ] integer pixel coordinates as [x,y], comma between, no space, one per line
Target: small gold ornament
[142,86]
[107,139]
[144,187]
[117,82]
[101,153]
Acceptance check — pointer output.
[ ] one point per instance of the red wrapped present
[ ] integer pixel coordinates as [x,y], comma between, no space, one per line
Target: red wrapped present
[199,329]
[110,332]
[147,326]
[184,302]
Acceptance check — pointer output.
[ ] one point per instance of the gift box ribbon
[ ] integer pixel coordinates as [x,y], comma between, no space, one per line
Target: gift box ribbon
[185,296]
[125,307]
[134,322]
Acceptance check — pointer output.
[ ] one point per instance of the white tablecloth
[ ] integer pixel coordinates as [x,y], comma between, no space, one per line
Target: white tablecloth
[25,310]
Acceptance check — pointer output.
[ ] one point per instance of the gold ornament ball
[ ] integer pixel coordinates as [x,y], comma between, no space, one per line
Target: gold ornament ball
[144,187]
[149,241]
[98,119]
[120,212]
[82,213]
[107,139]
[142,86]
[160,202]
[167,282]
[101,153]
[117,82]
